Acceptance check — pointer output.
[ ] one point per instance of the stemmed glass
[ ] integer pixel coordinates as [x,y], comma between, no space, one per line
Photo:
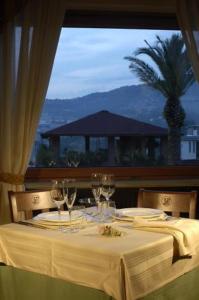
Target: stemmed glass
[57,194]
[73,159]
[108,186]
[70,193]
[96,185]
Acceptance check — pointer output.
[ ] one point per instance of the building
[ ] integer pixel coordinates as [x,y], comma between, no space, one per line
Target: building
[190,143]
[125,137]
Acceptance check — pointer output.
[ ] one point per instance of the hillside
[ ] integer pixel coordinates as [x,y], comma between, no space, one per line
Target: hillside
[137,101]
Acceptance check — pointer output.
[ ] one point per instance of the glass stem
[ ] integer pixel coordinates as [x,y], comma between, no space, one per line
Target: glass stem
[59,210]
[98,206]
[69,211]
[59,215]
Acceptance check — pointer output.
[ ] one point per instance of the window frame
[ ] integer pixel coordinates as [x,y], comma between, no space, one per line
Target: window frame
[138,173]
[82,18]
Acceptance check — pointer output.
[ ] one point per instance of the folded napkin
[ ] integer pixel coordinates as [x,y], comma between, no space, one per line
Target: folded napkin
[49,225]
[125,218]
[184,231]
[34,223]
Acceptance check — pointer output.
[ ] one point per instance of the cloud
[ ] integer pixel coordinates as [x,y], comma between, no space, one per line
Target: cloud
[100,72]
[90,60]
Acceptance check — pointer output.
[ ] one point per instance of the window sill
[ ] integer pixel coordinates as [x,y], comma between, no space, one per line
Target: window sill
[120,184]
[125,176]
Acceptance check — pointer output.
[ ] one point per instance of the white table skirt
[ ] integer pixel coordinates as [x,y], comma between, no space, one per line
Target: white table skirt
[126,268]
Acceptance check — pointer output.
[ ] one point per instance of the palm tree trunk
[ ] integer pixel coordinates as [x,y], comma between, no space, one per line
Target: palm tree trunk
[174,146]
[174,115]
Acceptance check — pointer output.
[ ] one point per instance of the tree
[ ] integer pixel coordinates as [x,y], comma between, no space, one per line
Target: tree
[172,75]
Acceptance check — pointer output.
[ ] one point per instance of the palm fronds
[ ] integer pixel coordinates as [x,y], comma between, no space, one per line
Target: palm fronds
[172,76]
[174,73]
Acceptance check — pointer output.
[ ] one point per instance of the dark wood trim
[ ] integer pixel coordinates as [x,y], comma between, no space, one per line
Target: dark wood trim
[180,172]
[10,9]
[120,19]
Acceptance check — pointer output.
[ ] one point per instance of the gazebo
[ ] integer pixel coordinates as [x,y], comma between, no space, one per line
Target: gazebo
[132,134]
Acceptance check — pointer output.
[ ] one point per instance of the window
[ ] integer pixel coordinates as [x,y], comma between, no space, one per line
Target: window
[91,86]
[189,147]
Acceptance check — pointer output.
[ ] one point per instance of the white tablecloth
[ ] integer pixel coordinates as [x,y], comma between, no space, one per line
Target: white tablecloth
[126,267]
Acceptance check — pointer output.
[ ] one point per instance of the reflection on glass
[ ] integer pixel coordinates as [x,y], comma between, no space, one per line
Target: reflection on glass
[70,193]
[73,159]
[57,194]
[96,185]
[108,185]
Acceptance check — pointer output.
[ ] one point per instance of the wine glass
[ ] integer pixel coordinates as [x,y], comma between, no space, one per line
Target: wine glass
[111,209]
[96,185]
[57,194]
[70,193]
[73,159]
[108,186]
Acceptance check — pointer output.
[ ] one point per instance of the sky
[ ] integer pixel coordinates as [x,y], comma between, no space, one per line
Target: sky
[92,60]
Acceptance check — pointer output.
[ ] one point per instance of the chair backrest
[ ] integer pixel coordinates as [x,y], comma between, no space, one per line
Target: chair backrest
[23,204]
[174,202]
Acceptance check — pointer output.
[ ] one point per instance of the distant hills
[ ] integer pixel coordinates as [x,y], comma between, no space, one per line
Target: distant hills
[137,101]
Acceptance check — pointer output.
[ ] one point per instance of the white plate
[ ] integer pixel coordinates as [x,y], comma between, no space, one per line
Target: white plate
[63,217]
[138,212]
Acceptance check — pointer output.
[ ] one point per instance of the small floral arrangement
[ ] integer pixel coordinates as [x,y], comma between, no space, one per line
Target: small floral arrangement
[109,231]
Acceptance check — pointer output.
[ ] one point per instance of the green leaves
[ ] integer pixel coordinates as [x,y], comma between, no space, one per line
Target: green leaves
[172,74]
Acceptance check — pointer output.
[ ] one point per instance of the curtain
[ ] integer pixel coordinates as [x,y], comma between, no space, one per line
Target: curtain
[28,44]
[188,18]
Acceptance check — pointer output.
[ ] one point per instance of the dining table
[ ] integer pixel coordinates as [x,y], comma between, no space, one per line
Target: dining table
[144,260]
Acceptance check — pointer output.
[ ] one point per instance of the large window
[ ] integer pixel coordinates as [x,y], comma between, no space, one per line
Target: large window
[99,112]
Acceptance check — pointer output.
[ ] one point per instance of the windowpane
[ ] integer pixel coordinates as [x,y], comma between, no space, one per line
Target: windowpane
[103,108]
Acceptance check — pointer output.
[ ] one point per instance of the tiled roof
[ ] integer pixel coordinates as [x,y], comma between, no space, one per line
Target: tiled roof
[104,123]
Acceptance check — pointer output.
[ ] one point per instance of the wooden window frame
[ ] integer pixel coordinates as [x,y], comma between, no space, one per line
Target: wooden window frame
[138,173]
[120,20]
[117,19]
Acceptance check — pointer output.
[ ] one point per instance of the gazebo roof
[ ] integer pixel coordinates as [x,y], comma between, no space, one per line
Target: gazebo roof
[104,123]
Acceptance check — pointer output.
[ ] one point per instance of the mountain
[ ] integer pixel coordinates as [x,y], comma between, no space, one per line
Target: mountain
[137,101]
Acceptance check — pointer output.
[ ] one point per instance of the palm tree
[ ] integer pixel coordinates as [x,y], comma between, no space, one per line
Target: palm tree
[172,76]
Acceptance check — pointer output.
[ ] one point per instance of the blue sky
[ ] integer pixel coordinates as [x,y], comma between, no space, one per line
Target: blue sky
[92,60]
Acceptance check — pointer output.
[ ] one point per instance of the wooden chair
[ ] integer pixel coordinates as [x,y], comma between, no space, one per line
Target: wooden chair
[23,204]
[174,202]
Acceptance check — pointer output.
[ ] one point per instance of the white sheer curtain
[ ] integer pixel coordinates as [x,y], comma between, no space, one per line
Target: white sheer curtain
[27,49]
[188,18]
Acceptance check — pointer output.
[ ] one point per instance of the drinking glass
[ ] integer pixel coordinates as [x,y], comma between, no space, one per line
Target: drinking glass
[73,159]
[70,193]
[82,222]
[57,194]
[111,209]
[87,202]
[96,185]
[102,212]
[108,186]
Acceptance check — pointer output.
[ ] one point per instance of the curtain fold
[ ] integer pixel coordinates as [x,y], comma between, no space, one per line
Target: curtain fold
[28,45]
[188,18]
